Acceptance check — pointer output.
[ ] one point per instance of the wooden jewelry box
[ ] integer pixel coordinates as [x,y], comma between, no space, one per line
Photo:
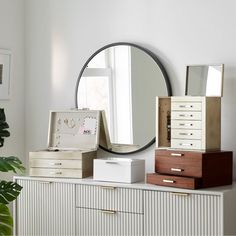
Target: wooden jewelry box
[192,169]
[73,138]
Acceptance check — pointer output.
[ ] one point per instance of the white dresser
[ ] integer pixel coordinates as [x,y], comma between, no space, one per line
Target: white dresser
[53,206]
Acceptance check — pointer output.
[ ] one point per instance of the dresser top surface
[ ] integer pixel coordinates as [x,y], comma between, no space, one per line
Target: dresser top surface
[139,185]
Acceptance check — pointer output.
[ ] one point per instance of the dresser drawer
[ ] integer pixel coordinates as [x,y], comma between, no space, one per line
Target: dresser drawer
[174,181]
[186,134]
[186,106]
[109,198]
[186,115]
[186,144]
[52,163]
[185,124]
[50,172]
[182,166]
[94,222]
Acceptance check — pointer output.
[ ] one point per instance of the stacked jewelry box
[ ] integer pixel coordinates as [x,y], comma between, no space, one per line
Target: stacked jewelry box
[188,144]
[73,138]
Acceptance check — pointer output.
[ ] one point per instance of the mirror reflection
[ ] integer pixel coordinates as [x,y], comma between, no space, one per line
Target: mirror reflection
[123,80]
[204,80]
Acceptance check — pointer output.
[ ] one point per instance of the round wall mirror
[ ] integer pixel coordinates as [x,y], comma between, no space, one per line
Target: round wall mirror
[123,80]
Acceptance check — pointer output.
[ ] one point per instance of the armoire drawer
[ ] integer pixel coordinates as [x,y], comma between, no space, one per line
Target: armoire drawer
[186,144]
[185,124]
[174,181]
[186,106]
[109,198]
[186,115]
[186,134]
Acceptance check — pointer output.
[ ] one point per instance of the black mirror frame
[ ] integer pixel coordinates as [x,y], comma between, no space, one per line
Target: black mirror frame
[154,57]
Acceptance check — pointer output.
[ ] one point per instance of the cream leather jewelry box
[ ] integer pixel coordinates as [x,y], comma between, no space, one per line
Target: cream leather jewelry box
[73,138]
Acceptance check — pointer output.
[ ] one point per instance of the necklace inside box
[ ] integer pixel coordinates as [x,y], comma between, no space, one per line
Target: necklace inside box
[72,145]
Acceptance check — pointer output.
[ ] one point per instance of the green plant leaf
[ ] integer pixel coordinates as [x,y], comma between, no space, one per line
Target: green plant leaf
[9,191]
[6,221]
[11,164]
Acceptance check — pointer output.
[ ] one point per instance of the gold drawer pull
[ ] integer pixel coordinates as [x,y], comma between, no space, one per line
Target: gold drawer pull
[186,134]
[56,164]
[108,187]
[108,212]
[168,181]
[176,169]
[180,194]
[177,154]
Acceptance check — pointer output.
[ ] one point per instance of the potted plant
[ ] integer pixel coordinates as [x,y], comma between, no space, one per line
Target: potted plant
[8,189]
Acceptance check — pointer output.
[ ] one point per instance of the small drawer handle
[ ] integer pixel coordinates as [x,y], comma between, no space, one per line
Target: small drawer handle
[186,106]
[111,162]
[45,182]
[56,163]
[56,173]
[168,181]
[181,124]
[176,170]
[180,194]
[186,134]
[186,144]
[108,187]
[108,212]
[177,154]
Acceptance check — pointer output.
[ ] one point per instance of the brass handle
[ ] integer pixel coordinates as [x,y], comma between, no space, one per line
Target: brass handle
[108,212]
[108,187]
[168,181]
[176,169]
[177,154]
[180,194]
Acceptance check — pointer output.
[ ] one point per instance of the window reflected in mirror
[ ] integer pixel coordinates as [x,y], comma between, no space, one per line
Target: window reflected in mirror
[205,80]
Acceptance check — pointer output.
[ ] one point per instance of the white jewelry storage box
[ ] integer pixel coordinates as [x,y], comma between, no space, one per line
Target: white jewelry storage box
[123,170]
[72,145]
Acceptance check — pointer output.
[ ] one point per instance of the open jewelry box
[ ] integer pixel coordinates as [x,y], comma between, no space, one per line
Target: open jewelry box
[73,138]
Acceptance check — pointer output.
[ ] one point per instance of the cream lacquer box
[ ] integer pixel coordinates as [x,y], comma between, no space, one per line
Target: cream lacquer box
[73,138]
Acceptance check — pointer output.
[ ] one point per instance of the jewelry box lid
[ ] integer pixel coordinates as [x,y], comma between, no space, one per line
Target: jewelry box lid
[74,130]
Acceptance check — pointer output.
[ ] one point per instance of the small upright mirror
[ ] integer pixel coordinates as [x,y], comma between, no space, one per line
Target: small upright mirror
[204,80]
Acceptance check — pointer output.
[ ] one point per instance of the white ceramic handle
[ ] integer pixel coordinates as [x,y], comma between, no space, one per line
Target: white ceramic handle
[176,170]
[177,154]
[168,181]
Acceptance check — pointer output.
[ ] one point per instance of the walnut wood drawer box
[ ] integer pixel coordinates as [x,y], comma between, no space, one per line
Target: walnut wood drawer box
[206,169]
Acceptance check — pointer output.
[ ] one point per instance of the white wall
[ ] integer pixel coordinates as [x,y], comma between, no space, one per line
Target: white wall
[62,34]
[12,38]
